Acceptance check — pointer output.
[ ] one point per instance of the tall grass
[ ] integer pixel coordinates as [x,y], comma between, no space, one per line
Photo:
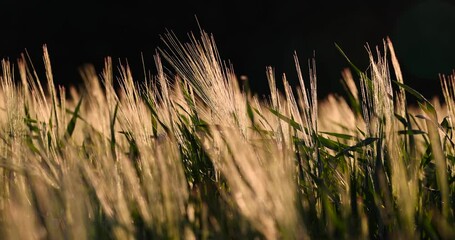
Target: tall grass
[192,153]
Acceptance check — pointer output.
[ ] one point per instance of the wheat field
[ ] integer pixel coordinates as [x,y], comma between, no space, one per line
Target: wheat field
[192,153]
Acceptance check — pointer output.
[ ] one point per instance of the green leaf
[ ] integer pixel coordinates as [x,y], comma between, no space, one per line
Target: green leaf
[357,146]
[402,120]
[133,149]
[416,94]
[72,122]
[250,112]
[411,132]
[291,122]
[445,124]
[330,144]
[263,118]
[29,121]
[427,157]
[155,119]
[356,69]
[112,127]
[339,135]
[31,145]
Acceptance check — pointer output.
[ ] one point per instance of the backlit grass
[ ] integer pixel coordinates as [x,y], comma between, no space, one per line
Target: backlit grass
[191,153]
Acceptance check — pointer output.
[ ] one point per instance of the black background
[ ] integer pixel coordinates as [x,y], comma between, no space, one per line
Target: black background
[251,34]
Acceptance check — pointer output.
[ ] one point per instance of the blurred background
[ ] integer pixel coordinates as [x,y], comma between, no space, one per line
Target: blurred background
[250,34]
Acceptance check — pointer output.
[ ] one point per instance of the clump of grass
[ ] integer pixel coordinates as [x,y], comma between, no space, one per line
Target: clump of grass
[191,153]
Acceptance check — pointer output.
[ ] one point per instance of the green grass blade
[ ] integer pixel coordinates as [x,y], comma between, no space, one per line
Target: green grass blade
[357,146]
[417,95]
[72,122]
[112,128]
[340,135]
[356,69]
[291,122]
[411,132]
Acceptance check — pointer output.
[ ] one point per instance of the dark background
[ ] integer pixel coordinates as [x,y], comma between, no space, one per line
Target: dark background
[251,34]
